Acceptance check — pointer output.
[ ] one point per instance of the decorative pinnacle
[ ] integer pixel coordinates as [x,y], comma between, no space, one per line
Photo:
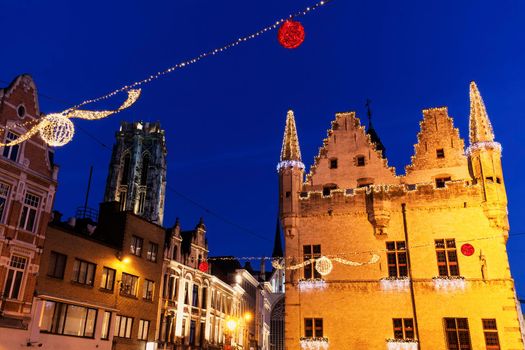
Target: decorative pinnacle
[290,149]
[480,126]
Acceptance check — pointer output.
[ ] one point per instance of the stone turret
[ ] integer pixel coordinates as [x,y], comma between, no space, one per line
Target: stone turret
[485,161]
[137,171]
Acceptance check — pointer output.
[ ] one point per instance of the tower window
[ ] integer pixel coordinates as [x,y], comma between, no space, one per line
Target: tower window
[440,153]
[145,168]
[125,170]
[333,163]
[360,161]
[440,181]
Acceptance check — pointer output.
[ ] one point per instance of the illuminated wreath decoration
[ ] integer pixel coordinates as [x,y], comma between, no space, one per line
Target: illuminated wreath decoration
[291,34]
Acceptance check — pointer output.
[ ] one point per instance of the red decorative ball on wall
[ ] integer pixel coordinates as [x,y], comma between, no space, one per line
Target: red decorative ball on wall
[203,266]
[467,249]
[291,34]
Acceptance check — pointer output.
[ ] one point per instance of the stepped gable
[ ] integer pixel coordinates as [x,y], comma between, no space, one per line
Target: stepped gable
[439,152]
[349,158]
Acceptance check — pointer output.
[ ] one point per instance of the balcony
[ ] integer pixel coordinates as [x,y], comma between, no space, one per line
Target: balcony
[394,283]
[309,284]
[314,343]
[401,344]
[449,283]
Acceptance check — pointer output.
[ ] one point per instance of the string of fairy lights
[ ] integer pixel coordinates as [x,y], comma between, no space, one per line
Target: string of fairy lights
[56,129]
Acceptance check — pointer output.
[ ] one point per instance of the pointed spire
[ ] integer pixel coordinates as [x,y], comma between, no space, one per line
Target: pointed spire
[374,137]
[480,127]
[290,149]
[277,244]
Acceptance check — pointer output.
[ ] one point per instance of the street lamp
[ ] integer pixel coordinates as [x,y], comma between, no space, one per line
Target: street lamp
[231,325]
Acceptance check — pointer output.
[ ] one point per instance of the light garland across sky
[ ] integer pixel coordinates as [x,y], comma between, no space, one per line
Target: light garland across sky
[57,130]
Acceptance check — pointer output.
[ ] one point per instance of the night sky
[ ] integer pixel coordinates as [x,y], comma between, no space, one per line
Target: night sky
[224,116]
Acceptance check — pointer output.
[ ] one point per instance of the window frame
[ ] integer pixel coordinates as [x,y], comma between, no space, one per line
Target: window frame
[135,248]
[7,152]
[360,160]
[107,328]
[53,258]
[30,212]
[60,316]
[440,153]
[452,267]
[148,294]
[399,249]
[457,331]
[489,331]
[405,326]
[118,326]
[77,272]
[4,199]
[104,279]
[133,286]
[16,268]
[313,327]
[143,332]
[309,271]
[152,254]
[333,163]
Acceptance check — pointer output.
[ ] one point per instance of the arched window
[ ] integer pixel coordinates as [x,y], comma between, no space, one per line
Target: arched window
[145,168]
[125,169]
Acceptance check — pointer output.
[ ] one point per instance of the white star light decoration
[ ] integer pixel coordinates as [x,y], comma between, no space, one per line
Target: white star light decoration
[56,129]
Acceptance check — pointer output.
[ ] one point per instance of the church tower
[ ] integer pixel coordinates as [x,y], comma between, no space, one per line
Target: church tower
[485,161]
[137,171]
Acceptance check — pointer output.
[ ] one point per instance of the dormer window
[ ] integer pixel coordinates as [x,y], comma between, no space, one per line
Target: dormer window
[440,153]
[333,163]
[360,161]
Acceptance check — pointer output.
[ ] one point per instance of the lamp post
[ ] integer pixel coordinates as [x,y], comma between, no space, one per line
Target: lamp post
[231,325]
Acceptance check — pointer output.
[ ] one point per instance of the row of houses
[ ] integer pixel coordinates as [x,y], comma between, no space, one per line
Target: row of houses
[116,278]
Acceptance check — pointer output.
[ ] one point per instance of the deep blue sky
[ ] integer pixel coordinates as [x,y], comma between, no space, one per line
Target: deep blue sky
[224,116]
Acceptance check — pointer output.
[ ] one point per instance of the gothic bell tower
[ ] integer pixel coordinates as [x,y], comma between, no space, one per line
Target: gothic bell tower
[137,171]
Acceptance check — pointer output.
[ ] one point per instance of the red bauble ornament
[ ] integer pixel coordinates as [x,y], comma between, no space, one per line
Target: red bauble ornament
[291,34]
[467,249]
[203,266]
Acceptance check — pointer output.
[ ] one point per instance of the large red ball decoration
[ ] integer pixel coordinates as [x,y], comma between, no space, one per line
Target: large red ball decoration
[291,34]
[467,249]
[203,266]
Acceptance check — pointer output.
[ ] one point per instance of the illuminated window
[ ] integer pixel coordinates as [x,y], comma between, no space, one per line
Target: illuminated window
[403,328]
[490,331]
[129,285]
[136,245]
[313,327]
[108,278]
[447,257]
[457,333]
[142,202]
[66,319]
[15,277]
[106,323]
[84,272]
[143,330]
[28,219]
[311,252]
[11,152]
[153,249]
[397,259]
[123,325]
[57,265]
[149,288]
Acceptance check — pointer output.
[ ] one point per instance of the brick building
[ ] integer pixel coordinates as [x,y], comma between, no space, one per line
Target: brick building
[439,231]
[28,180]
[100,285]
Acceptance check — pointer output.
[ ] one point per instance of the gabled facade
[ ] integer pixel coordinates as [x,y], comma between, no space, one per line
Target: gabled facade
[410,261]
[28,180]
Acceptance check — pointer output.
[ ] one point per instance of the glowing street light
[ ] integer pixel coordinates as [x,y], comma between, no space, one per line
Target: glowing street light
[231,324]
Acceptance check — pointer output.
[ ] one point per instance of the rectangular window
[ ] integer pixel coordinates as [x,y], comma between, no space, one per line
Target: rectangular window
[29,212]
[57,265]
[360,161]
[84,272]
[397,259]
[447,257]
[122,196]
[136,245]
[11,152]
[440,153]
[149,287]
[153,250]
[143,330]
[440,181]
[313,327]
[192,332]
[106,323]
[142,201]
[123,325]
[203,298]
[195,296]
[403,328]
[490,331]
[108,278]
[311,252]
[129,285]
[457,334]
[333,163]
[15,277]
[67,319]
[4,195]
